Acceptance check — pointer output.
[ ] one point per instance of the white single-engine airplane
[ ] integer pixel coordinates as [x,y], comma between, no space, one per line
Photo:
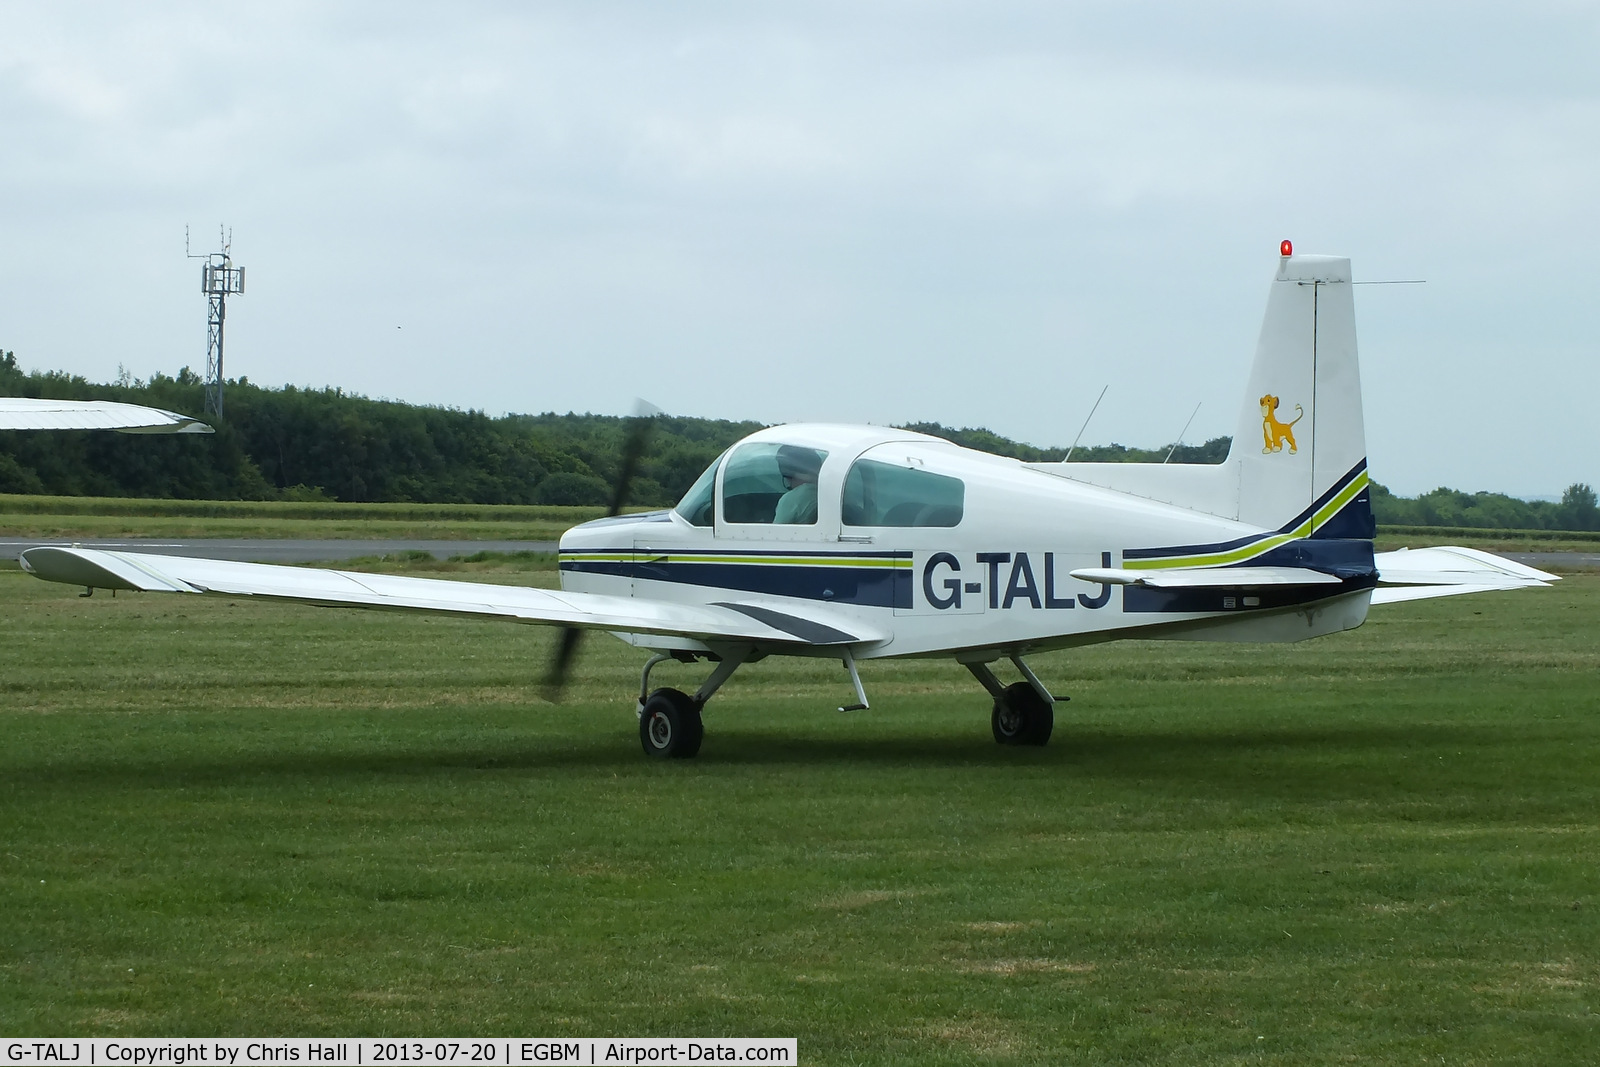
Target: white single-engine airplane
[25,413]
[859,542]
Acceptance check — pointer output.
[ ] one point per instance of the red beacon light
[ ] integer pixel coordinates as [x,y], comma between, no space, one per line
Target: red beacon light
[1286,249]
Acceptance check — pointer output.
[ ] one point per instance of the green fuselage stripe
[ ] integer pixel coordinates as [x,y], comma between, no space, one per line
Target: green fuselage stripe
[786,561]
[1268,542]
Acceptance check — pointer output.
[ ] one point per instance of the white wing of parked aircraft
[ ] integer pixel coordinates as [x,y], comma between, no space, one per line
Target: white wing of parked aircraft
[24,413]
[859,542]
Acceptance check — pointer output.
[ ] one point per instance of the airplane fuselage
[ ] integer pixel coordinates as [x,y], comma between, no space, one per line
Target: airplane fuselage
[994,577]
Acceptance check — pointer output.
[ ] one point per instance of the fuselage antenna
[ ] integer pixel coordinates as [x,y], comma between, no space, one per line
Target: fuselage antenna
[1085,425]
[1181,432]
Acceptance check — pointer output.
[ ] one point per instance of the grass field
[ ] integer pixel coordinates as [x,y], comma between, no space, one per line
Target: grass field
[1380,847]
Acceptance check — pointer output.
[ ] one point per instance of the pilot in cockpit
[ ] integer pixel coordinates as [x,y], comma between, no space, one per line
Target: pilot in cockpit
[799,467]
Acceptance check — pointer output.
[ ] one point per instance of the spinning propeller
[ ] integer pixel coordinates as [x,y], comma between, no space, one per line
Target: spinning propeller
[637,439]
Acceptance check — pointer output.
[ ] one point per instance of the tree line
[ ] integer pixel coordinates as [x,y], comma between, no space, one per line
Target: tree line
[1493,511]
[311,444]
[325,444]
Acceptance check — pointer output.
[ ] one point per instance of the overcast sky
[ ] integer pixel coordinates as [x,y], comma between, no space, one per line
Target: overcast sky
[977,214]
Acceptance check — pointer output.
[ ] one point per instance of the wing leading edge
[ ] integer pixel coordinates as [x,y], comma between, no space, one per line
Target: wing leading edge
[759,622]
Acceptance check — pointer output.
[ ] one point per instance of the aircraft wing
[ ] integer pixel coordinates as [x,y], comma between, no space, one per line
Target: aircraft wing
[25,413]
[754,621]
[1420,573]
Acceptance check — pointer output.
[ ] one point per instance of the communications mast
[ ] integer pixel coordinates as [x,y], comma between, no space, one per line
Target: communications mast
[218,278]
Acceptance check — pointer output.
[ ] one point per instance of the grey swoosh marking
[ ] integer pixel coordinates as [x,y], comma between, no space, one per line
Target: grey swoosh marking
[814,633]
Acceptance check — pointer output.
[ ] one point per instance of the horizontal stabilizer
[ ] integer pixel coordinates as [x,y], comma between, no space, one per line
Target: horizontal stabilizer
[1421,573]
[1207,577]
[760,623]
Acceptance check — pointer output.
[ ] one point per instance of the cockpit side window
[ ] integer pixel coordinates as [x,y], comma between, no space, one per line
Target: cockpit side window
[887,494]
[698,506]
[772,483]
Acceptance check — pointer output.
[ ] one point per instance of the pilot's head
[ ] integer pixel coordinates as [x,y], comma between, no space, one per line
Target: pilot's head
[798,464]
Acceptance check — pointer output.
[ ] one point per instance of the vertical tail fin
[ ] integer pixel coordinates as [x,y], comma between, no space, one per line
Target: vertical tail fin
[1299,458]
[1300,447]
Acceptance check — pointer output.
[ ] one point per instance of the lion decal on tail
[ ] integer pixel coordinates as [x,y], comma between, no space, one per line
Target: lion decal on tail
[1273,432]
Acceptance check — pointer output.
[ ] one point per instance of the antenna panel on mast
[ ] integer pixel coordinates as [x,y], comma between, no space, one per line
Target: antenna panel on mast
[218,279]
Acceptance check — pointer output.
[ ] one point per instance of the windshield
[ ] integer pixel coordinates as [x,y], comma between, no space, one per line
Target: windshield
[698,506]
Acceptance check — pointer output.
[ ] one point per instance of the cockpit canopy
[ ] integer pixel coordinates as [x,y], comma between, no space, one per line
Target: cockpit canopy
[772,481]
[768,482]
[890,494]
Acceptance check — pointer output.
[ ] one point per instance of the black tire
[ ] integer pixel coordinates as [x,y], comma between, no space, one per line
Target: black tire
[1022,717]
[670,726]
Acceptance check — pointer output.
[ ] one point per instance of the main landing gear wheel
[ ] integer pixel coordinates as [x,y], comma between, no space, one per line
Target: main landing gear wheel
[1022,717]
[670,726]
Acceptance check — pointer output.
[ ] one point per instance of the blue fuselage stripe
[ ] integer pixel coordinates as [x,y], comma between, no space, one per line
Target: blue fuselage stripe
[1361,501]
[870,586]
